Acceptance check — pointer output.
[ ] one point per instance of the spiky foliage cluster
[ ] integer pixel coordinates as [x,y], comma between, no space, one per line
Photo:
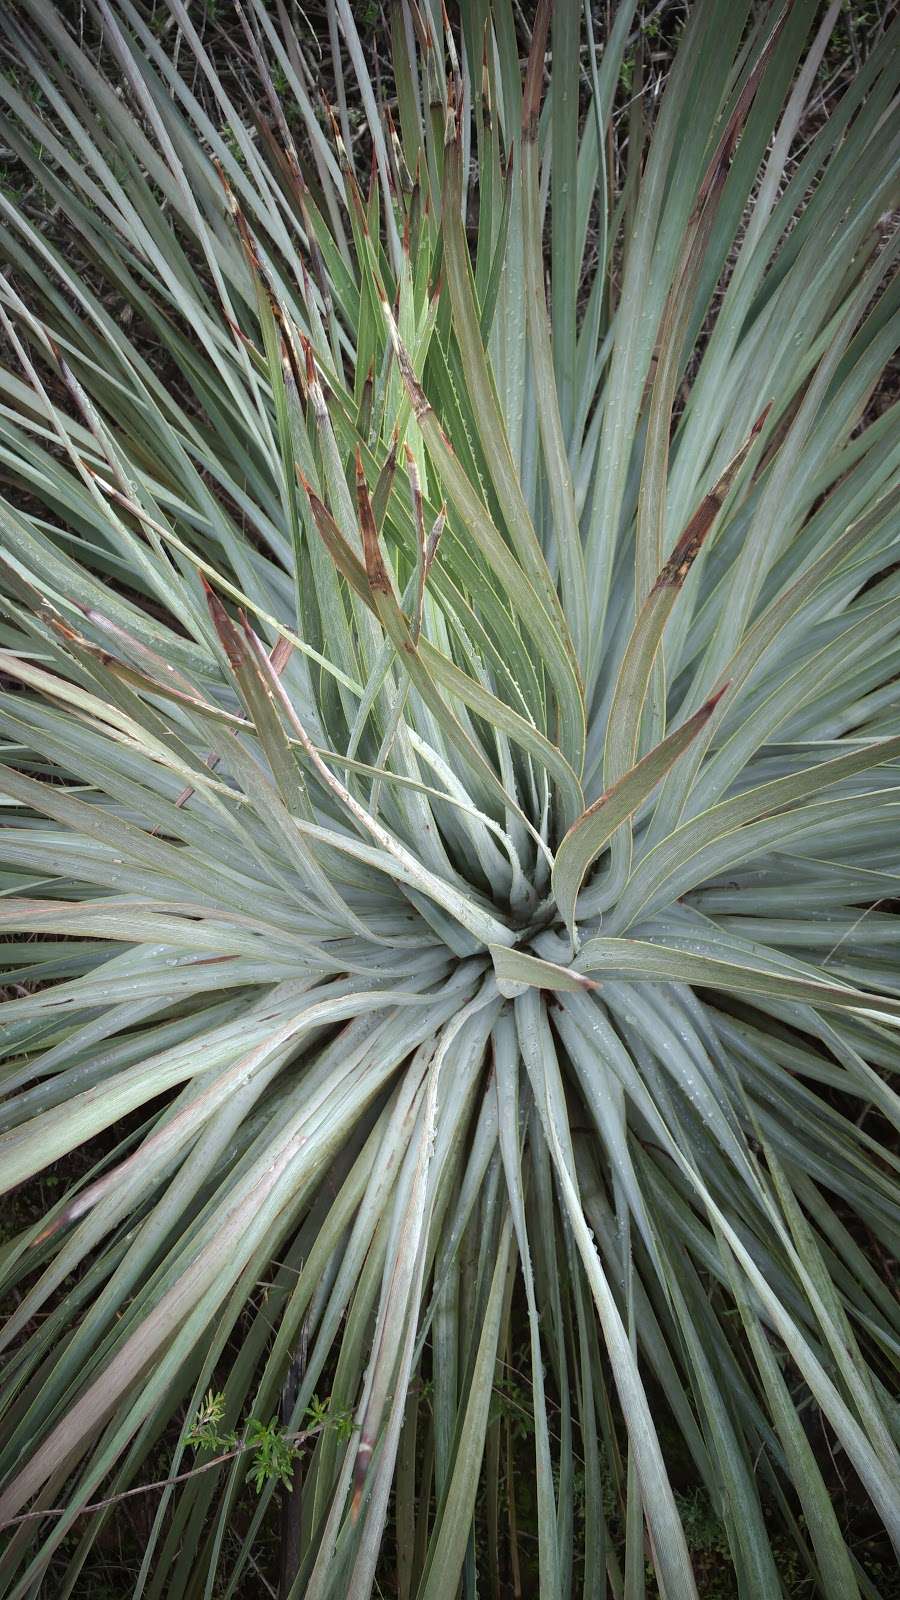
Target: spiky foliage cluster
[451,635]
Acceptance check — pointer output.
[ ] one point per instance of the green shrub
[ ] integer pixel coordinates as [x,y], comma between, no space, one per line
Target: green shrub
[451,771]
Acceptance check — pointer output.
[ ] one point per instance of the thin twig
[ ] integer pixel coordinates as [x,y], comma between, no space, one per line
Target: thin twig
[162,1483]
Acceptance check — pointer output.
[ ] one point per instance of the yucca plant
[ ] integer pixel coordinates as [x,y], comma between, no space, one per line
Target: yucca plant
[451,638]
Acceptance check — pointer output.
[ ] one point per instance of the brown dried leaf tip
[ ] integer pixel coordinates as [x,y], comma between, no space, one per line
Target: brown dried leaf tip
[534,74]
[376,570]
[228,634]
[689,545]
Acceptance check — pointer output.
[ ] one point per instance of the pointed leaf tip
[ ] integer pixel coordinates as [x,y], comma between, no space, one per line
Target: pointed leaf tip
[709,706]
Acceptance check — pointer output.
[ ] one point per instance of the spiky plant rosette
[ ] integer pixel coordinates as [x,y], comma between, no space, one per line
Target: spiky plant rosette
[451,641]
